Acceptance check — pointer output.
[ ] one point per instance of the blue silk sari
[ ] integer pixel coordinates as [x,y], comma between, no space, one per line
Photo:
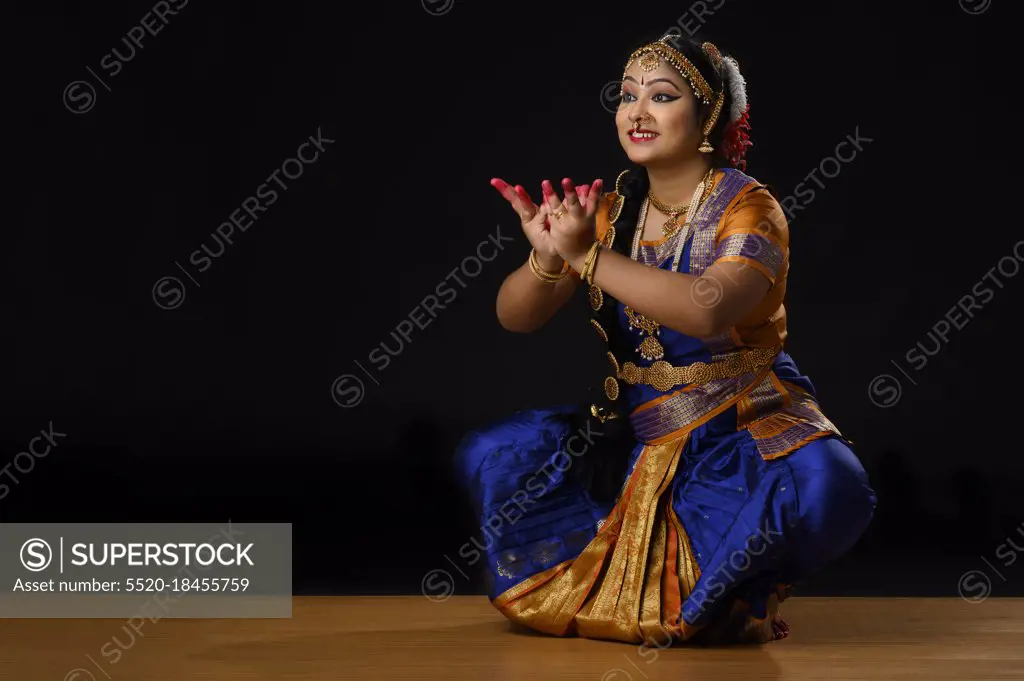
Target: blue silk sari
[738,486]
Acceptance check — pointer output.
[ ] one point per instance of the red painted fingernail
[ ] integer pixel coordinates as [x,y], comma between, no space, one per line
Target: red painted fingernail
[546,188]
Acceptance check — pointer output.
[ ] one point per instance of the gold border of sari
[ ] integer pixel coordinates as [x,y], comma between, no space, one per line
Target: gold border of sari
[718,409]
[559,600]
[616,587]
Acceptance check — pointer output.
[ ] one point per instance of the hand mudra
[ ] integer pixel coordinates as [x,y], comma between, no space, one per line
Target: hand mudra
[534,221]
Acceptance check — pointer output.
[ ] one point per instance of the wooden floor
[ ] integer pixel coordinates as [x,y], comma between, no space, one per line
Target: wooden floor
[464,638]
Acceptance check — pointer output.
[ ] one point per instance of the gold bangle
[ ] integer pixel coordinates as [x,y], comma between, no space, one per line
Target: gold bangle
[593,264]
[561,274]
[587,272]
[586,264]
[542,274]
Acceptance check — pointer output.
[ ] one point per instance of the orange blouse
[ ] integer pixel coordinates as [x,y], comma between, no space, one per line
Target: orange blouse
[753,231]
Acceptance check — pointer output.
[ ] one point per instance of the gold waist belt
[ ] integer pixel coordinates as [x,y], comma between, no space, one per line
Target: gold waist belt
[661,375]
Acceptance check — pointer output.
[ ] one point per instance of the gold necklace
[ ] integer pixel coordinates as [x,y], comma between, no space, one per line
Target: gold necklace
[672,225]
[650,347]
[671,211]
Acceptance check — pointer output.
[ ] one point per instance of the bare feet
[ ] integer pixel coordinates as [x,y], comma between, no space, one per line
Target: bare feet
[779,628]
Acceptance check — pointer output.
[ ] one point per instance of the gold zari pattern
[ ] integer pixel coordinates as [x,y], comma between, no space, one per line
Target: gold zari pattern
[629,583]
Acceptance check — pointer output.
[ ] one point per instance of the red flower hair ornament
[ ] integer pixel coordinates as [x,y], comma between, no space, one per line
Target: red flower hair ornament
[736,137]
[736,140]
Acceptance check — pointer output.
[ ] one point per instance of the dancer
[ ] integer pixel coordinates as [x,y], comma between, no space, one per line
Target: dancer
[732,484]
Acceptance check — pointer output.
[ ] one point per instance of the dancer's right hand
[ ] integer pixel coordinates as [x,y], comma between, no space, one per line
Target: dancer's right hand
[534,222]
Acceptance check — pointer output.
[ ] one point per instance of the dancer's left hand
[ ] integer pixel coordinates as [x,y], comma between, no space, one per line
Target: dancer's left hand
[575,231]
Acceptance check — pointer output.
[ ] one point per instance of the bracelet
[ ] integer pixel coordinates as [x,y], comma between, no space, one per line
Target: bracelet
[587,272]
[588,263]
[543,275]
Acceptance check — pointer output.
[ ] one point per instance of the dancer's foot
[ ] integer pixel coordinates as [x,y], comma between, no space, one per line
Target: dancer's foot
[779,628]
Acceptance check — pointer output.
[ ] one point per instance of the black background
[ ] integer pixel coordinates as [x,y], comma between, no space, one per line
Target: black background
[224,407]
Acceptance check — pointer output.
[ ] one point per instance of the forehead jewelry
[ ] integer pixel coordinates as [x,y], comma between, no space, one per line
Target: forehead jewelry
[650,56]
[649,62]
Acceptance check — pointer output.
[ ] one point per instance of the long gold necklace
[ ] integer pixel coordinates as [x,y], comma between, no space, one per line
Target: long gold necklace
[650,347]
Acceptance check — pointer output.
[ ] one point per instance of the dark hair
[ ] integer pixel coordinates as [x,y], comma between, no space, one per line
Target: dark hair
[605,465]
[693,50]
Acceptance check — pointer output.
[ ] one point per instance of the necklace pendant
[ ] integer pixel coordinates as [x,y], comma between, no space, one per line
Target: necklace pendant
[671,226]
[651,349]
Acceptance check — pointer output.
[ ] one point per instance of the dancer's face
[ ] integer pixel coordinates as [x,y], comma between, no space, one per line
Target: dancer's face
[667,107]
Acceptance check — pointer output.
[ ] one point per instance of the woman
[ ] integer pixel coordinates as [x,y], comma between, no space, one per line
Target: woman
[733,484]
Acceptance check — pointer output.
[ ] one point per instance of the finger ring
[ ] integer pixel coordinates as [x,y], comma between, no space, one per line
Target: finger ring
[559,213]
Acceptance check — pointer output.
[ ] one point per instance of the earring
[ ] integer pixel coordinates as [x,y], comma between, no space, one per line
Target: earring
[705,147]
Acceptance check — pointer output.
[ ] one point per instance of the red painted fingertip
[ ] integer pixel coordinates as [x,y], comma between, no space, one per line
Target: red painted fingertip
[546,188]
